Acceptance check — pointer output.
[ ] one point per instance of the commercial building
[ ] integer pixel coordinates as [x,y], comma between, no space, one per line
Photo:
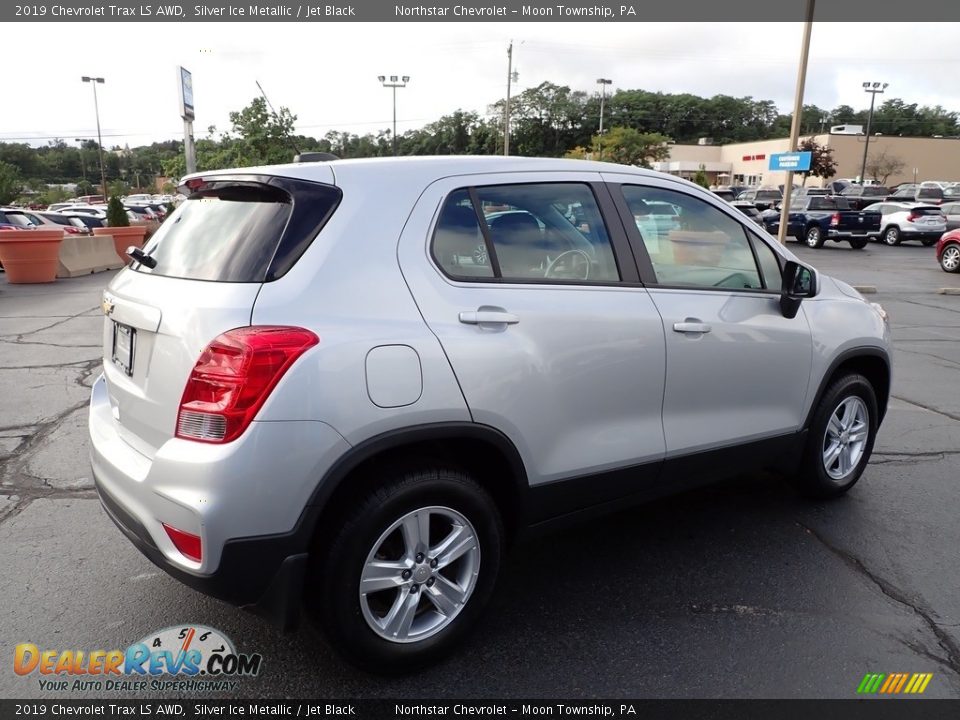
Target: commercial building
[747,163]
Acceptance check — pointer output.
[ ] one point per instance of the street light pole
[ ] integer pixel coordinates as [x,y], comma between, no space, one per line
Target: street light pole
[96,107]
[602,82]
[394,83]
[873,88]
[83,165]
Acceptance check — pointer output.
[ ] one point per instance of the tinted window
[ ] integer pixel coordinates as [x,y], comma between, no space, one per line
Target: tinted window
[228,235]
[926,211]
[548,231]
[699,246]
[768,263]
[875,190]
[769,195]
[928,193]
[458,244]
[829,203]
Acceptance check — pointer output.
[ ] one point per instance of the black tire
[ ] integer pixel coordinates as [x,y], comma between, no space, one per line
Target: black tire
[891,236]
[814,237]
[928,242]
[333,586]
[858,243]
[813,479]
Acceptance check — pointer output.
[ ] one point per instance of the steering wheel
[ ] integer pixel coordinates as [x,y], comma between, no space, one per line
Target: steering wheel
[569,265]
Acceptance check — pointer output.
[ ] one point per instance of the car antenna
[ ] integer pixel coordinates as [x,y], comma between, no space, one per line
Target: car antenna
[293,144]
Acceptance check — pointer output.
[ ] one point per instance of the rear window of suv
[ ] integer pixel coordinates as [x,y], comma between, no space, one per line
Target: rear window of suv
[239,232]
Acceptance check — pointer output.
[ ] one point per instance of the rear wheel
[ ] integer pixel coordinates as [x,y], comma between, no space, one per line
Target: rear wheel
[950,258]
[840,438]
[858,243]
[891,236]
[409,572]
[814,237]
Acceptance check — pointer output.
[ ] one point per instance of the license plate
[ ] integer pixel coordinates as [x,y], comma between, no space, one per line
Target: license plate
[124,342]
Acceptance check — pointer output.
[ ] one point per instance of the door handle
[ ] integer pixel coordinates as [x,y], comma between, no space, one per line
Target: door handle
[691,327]
[482,317]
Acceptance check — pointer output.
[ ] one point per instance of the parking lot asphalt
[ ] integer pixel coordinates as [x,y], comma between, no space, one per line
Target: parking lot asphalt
[738,590]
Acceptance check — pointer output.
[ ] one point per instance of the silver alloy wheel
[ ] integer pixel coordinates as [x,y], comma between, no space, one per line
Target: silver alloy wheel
[419,574]
[891,236]
[846,437]
[950,260]
[813,237]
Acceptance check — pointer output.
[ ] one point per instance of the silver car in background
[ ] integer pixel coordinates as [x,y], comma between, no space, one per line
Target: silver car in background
[901,221]
[341,388]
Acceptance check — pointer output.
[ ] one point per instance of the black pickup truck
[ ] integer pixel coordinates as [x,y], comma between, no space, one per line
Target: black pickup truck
[814,220]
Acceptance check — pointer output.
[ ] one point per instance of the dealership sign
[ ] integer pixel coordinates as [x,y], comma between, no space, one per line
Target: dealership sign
[795,161]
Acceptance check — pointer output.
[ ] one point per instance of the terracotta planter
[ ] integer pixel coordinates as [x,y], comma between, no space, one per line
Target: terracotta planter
[30,256]
[124,237]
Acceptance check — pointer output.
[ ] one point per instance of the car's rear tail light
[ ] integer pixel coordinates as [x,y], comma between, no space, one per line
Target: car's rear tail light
[233,378]
[70,230]
[188,544]
[914,216]
[835,219]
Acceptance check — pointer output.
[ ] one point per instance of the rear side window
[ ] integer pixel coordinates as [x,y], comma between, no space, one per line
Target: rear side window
[538,232]
[233,231]
[930,193]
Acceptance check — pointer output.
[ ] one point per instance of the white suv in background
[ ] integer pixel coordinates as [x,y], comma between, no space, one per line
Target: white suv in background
[343,387]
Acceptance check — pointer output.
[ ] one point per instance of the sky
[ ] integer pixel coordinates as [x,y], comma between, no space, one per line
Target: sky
[326,74]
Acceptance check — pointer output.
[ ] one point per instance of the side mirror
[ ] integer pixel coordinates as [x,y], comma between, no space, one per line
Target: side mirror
[798,282]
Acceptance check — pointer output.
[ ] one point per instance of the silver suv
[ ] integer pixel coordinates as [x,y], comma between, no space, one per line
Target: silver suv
[344,387]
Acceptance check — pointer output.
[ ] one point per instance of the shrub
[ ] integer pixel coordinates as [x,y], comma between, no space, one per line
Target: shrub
[116,215]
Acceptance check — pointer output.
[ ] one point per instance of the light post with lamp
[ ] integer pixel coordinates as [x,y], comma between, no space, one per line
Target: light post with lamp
[873,88]
[96,107]
[394,83]
[602,82]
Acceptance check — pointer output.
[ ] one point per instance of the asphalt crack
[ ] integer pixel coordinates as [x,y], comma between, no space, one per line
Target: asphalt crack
[926,407]
[14,479]
[946,643]
[64,319]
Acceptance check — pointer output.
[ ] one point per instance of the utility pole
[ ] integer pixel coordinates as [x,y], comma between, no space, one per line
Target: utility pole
[873,88]
[394,83]
[506,107]
[797,112]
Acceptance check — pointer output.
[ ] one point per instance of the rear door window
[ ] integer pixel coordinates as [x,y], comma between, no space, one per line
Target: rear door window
[537,232]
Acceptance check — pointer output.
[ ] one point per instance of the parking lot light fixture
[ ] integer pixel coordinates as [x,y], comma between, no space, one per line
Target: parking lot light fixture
[394,83]
[96,107]
[874,88]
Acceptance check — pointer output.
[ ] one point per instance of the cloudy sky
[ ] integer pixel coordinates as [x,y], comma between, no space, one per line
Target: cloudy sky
[327,74]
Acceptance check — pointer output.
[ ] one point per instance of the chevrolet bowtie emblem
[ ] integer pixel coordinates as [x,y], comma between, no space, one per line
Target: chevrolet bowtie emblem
[106,306]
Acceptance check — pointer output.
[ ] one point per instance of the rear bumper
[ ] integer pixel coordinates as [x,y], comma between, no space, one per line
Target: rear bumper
[850,235]
[245,499]
[909,234]
[262,575]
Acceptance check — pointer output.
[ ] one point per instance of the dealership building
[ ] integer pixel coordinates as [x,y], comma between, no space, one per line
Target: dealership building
[936,158]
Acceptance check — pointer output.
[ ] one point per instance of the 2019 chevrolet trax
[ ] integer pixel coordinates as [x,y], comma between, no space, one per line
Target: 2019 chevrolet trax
[342,387]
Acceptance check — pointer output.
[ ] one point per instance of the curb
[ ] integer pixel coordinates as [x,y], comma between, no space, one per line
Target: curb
[866,289]
[948,291]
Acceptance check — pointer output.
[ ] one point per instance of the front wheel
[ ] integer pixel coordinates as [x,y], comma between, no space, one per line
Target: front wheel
[409,572]
[950,259]
[858,243]
[840,439]
[814,237]
[892,235]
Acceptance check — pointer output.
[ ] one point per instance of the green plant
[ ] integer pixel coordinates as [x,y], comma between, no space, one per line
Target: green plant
[701,177]
[116,215]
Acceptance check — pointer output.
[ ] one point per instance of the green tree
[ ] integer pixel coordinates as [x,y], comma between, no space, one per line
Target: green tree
[10,183]
[263,136]
[631,147]
[116,215]
[701,177]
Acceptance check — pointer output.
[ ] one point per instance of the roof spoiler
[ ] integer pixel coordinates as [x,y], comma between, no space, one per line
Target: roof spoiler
[314,157]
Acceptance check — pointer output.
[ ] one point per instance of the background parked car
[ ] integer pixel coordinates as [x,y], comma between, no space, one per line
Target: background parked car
[50,221]
[948,251]
[931,195]
[728,195]
[859,196]
[816,219]
[762,198]
[909,221]
[951,211]
[750,210]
